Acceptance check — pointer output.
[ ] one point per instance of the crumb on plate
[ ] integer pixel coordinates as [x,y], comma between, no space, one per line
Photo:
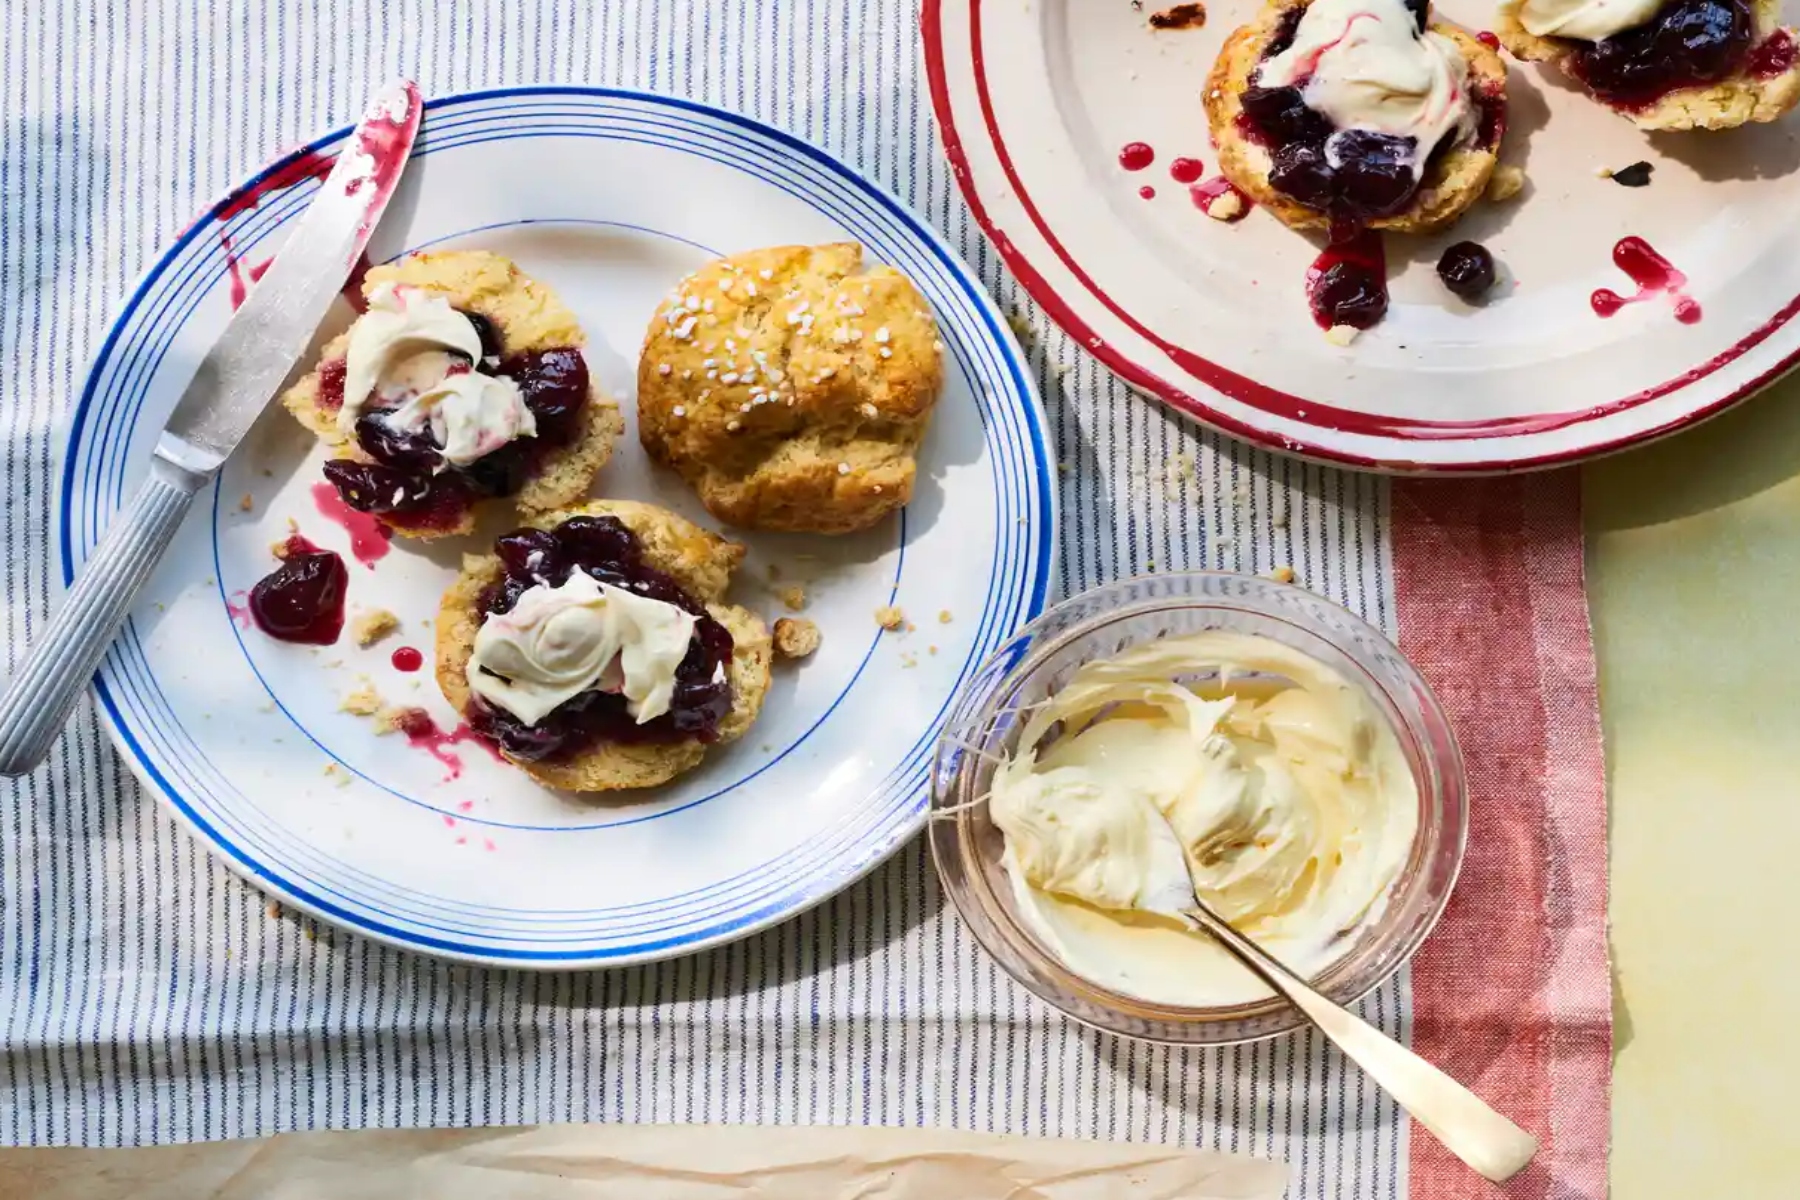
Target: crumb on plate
[793,596]
[370,627]
[890,617]
[796,637]
[1505,183]
[1341,335]
[246,502]
[363,701]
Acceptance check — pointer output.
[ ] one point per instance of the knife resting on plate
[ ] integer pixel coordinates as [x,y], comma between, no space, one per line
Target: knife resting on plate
[239,375]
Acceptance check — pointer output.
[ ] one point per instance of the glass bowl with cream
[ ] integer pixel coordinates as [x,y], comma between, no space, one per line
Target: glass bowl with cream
[1311,778]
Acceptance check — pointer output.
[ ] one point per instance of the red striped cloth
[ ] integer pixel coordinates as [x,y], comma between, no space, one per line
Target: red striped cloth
[1513,993]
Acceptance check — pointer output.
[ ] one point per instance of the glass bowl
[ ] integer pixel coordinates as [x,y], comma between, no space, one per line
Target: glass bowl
[1041,657]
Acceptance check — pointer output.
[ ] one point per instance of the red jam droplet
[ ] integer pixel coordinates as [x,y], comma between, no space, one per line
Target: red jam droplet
[368,537]
[1147,192]
[407,659]
[302,600]
[1489,39]
[423,733]
[1136,156]
[1186,170]
[1654,275]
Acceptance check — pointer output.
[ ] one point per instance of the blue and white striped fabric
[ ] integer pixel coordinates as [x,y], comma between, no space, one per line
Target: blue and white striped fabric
[147,995]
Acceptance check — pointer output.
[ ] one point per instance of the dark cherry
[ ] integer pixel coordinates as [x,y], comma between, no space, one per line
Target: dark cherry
[607,550]
[377,488]
[1689,43]
[1279,117]
[1490,108]
[484,329]
[1350,293]
[302,600]
[1301,171]
[1467,269]
[555,387]
[1374,172]
[412,452]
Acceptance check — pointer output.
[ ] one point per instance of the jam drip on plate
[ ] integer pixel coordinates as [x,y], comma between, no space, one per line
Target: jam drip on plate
[605,549]
[1691,43]
[302,600]
[1355,175]
[408,478]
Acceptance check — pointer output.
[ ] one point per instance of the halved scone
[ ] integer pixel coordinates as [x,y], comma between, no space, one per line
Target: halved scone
[1334,113]
[1664,64]
[595,650]
[471,386]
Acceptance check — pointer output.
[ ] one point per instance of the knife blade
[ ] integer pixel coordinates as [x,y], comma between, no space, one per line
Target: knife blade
[270,331]
[234,383]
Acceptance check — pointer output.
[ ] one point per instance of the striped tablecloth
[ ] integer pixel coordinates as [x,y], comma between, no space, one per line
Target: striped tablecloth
[147,995]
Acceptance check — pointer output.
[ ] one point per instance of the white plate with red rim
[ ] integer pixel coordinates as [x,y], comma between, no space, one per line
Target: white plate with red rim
[609,197]
[1037,100]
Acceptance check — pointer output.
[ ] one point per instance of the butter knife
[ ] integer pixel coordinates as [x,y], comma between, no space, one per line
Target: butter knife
[235,381]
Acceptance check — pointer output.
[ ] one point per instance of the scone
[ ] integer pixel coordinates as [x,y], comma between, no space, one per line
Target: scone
[1664,64]
[471,386]
[790,387]
[595,650]
[1353,113]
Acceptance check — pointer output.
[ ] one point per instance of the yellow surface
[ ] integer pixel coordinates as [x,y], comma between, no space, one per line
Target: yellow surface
[1694,577]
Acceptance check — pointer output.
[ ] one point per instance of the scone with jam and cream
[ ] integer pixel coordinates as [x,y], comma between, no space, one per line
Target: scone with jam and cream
[1664,64]
[595,650]
[791,387]
[462,382]
[1357,113]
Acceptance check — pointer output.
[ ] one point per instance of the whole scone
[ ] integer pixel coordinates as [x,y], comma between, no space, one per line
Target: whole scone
[527,317]
[790,387]
[1452,181]
[702,564]
[1765,85]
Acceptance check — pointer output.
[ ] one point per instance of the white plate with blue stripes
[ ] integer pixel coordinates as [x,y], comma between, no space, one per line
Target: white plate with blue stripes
[609,197]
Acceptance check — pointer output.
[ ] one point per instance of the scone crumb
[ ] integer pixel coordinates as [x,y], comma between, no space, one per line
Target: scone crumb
[909,660]
[1282,575]
[944,617]
[1226,206]
[246,502]
[774,571]
[1505,183]
[362,701]
[796,637]
[337,775]
[1341,335]
[890,617]
[370,627]
[793,596]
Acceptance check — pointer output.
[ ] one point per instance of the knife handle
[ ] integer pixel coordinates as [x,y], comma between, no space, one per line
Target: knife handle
[60,664]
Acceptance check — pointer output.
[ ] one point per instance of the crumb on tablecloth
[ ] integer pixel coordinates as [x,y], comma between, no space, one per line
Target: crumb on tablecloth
[890,617]
[796,637]
[1283,575]
[370,627]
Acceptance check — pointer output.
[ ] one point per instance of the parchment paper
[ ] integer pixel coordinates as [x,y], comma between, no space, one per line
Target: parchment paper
[646,1162]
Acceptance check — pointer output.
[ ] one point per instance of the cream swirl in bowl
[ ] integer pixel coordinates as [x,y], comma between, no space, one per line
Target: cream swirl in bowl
[1288,792]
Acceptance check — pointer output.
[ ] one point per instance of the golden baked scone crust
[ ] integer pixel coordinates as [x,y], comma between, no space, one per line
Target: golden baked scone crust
[790,387]
[702,563]
[1739,100]
[528,316]
[1450,185]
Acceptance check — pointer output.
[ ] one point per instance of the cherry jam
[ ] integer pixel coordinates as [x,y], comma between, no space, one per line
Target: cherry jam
[302,600]
[1690,43]
[605,549]
[407,477]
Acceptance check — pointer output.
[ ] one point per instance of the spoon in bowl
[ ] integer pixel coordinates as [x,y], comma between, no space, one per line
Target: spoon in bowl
[1458,1118]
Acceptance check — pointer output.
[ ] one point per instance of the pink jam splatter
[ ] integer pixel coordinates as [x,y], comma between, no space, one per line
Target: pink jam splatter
[422,732]
[368,536]
[238,605]
[1654,276]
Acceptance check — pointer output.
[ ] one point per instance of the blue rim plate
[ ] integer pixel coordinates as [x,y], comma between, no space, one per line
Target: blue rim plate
[609,197]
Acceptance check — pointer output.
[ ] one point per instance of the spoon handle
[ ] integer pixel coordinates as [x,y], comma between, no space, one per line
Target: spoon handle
[1459,1119]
